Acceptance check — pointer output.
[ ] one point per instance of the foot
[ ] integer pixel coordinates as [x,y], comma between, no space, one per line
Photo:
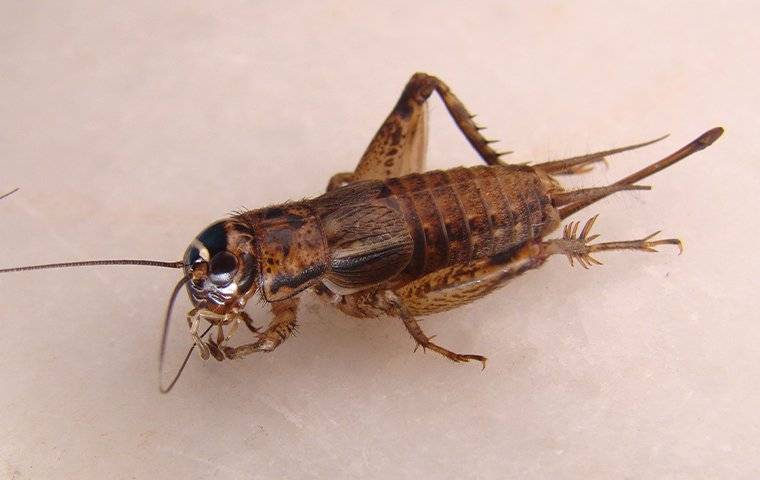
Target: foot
[577,247]
[454,357]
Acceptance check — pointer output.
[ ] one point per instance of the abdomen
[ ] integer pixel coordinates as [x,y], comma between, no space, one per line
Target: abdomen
[459,215]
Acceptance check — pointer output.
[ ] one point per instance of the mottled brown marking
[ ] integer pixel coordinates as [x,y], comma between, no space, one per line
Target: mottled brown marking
[278,231]
[389,239]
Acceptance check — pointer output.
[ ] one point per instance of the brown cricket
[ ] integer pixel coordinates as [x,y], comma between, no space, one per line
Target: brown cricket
[390,239]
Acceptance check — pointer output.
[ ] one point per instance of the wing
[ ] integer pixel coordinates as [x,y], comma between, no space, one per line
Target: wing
[368,240]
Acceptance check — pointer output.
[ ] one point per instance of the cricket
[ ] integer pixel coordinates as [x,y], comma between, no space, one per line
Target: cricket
[391,239]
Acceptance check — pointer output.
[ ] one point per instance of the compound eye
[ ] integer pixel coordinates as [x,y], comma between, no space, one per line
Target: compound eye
[192,257]
[222,269]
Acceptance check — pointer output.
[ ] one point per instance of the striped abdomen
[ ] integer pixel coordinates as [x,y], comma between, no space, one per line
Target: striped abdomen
[371,232]
[463,214]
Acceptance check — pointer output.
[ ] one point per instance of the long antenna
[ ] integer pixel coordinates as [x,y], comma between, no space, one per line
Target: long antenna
[182,366]
[91,263]
[147,263]
[165,335]
[9,193]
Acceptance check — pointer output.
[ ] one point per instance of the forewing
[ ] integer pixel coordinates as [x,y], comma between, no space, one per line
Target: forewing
[368,243]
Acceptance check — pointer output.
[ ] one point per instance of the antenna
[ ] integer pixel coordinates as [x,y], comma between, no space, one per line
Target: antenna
[9,193]
[92,263]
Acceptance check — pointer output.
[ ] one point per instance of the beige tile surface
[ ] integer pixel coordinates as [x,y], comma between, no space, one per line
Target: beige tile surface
[130,126]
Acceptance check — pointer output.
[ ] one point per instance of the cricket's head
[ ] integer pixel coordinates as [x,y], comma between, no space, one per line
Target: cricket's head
[221,268]
[220,278]
[221,274]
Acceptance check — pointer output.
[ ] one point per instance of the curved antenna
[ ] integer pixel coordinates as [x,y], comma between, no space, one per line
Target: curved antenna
[165,335]
[9,193]
[181,369]
[90,263]
[169,387]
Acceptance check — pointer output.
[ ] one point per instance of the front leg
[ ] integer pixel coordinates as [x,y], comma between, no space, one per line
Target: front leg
[282,325]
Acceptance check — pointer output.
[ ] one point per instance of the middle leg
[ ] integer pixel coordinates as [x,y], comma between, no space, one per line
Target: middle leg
[439,291]
[398,308]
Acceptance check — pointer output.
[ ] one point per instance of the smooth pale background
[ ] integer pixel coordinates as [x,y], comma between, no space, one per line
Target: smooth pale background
[131,126]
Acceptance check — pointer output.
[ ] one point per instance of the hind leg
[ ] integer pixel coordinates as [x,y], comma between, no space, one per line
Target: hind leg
[458,285]
[399,147]
[578,247]
[455,286]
